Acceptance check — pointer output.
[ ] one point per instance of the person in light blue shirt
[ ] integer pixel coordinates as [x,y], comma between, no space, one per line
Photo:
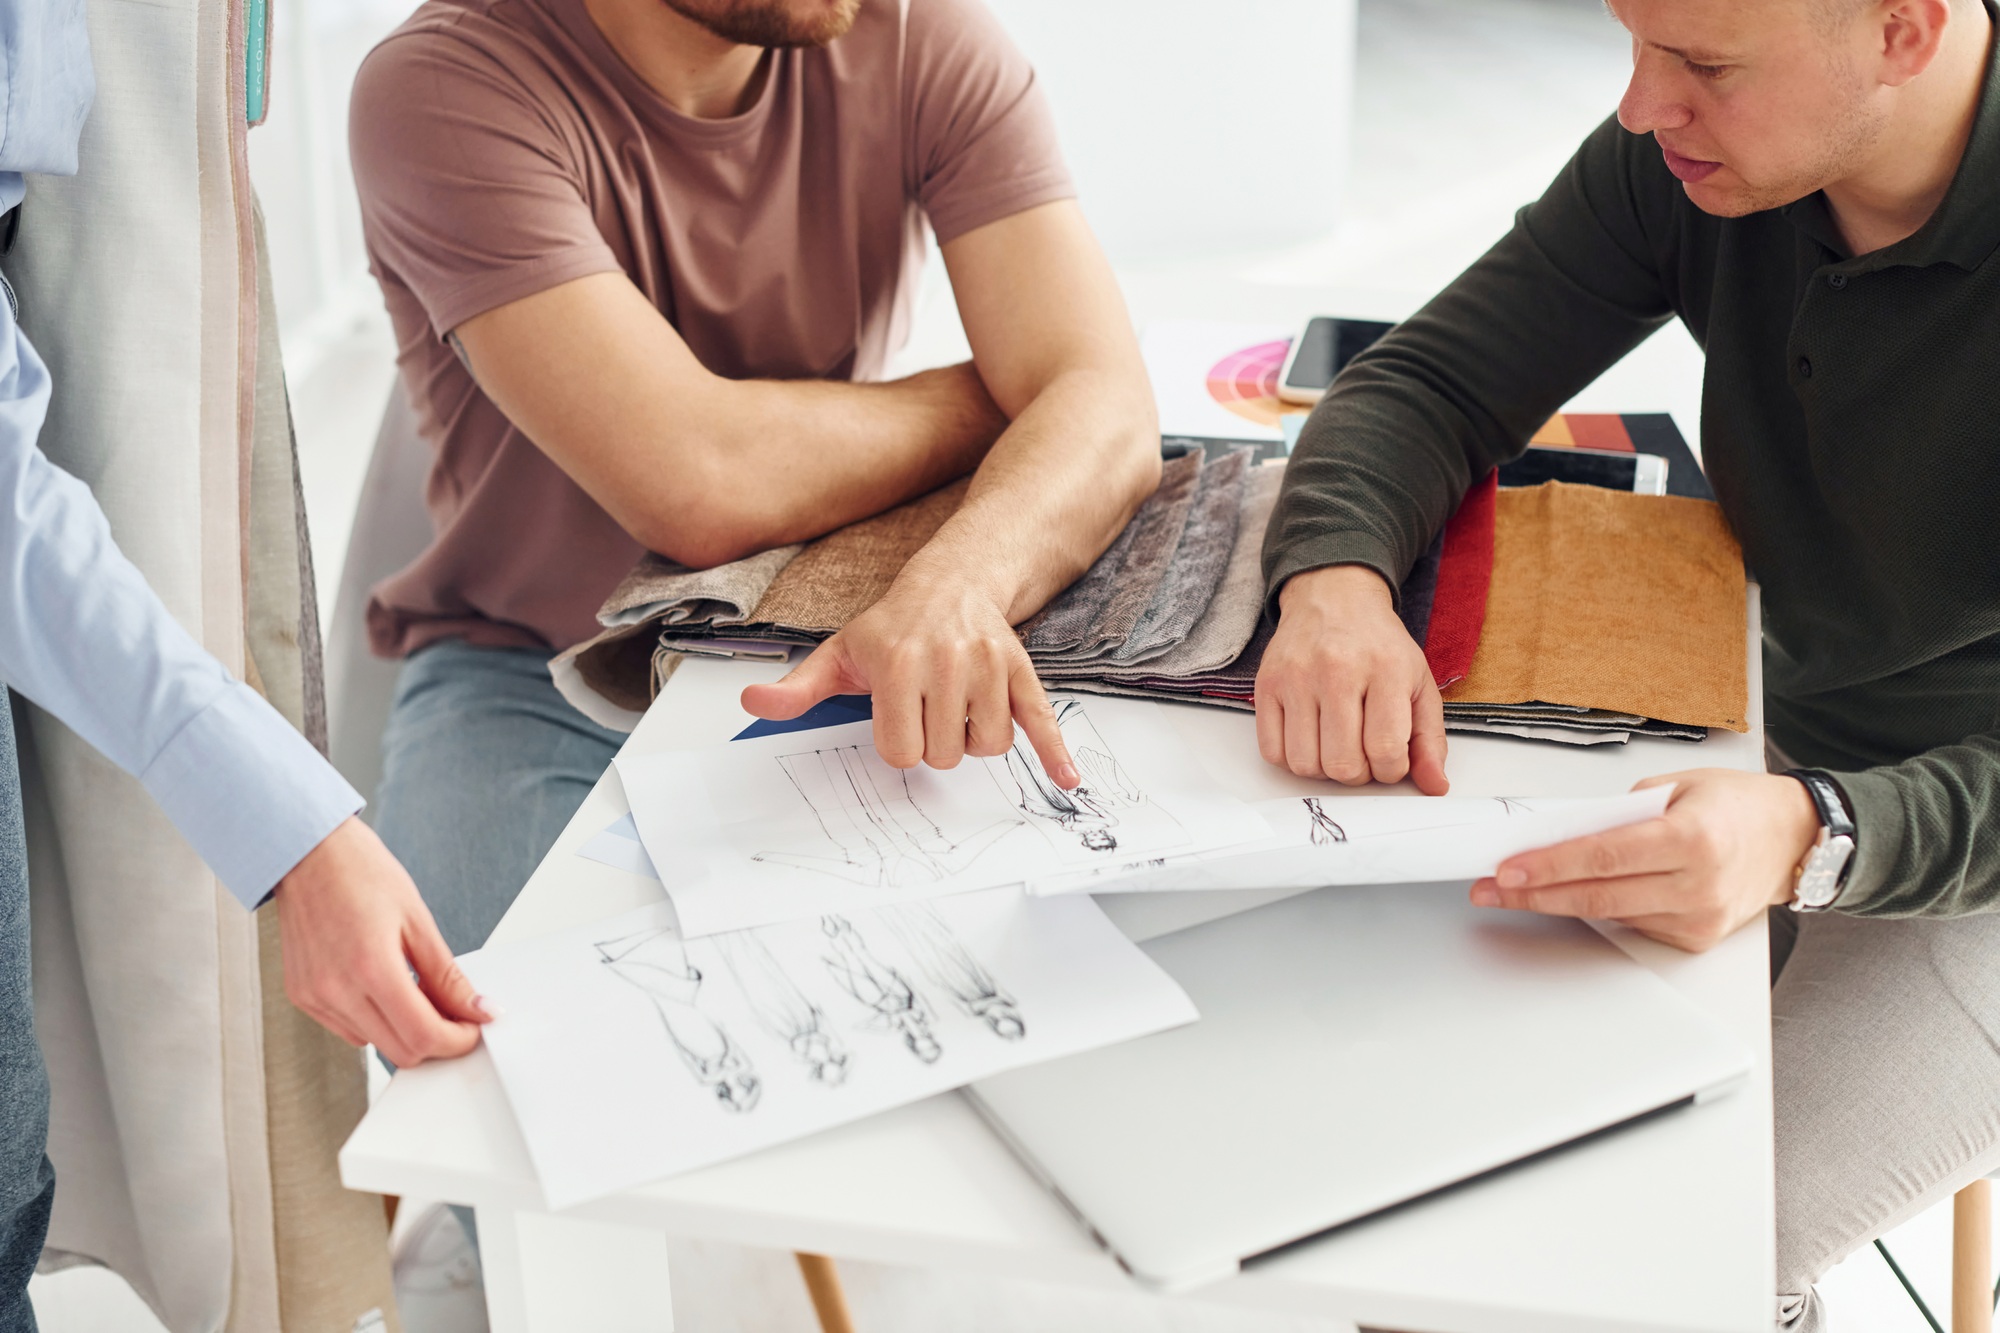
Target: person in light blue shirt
[84,637]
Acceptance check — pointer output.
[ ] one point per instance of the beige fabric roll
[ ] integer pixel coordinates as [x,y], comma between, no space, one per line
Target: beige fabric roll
[191,1122]
[331,1243]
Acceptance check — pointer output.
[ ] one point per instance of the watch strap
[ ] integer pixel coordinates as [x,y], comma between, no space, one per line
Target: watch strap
[1827,799]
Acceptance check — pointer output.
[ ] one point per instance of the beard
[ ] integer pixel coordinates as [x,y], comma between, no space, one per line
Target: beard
[771,23]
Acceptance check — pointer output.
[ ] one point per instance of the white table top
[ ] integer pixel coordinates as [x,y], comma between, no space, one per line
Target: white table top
[1663,1226]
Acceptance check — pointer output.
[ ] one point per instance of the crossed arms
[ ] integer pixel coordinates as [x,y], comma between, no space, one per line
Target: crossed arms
[1053,417]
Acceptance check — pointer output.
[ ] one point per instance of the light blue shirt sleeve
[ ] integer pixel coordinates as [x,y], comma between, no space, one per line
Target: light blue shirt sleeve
[82,635]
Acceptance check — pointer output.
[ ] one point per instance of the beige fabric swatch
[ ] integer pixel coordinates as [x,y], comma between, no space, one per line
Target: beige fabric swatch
[845,572]
[672,594]
[1606,599]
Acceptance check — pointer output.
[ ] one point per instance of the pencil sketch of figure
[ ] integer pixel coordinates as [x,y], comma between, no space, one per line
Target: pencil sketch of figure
[1090,811]
[950,967]
[876,833]
[655,962]
[1324,831]
[782,1009]
[879,987]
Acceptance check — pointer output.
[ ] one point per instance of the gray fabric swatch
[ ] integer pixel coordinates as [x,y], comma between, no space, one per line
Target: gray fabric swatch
[1224,629]
[1104,605]
[1208,538]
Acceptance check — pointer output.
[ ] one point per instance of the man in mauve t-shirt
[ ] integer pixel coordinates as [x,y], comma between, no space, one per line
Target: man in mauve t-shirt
[647,262]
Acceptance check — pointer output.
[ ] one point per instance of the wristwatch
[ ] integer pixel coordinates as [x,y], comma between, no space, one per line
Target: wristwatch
[1824,871]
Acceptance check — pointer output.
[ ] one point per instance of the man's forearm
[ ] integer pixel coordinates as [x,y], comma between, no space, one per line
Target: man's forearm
[1053,492]
[704,469]
[824,454]
[1927,842]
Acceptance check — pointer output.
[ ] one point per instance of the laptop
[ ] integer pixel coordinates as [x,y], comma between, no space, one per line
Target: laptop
[1345,1034]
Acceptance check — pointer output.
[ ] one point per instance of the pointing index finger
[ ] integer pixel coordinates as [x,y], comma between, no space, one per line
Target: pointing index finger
[1031,709]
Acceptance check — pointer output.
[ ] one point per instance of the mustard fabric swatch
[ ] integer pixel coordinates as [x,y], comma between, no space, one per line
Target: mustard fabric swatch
[1605,599]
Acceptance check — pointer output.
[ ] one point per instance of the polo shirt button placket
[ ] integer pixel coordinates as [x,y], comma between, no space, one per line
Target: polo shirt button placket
[1805,367]
[1837,281]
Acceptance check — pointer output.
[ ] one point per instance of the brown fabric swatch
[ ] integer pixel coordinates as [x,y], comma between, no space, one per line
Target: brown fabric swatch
[658,589]
[1608,600]
[845,572]
[1101,607]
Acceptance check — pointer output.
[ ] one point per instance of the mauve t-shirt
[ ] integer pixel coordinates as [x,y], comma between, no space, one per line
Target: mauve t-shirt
[502,147]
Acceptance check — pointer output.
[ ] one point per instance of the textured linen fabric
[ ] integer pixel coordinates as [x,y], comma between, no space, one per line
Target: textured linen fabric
[1849,410]
[1073,614]
[658,589]
[1104,604]
[847,571]
[1574,610]
[1457,615]
[502,147]
[1196,567]
[1230,620]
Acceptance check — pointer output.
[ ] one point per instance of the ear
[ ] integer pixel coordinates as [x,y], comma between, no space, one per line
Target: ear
[1912,34]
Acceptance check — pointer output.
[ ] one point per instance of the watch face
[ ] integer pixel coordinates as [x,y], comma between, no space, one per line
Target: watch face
[1819,878]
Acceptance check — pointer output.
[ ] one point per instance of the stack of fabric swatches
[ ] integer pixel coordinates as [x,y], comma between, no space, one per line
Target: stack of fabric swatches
[1539,609]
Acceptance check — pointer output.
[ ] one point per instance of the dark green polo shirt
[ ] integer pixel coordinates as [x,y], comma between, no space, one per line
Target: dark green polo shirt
[1850,426]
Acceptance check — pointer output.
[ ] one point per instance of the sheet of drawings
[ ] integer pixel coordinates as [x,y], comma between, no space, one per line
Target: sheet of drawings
[782,827]
[1322,840]
[631,1054]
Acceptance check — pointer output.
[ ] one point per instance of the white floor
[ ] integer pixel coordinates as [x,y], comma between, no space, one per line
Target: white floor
[1465,109]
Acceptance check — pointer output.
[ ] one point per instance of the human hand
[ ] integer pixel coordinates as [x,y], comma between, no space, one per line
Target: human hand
[1344,692]
[948,674]
[352,926]
[1726,849]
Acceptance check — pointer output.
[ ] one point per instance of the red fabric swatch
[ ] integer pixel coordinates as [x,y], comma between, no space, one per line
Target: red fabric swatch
[1464,574]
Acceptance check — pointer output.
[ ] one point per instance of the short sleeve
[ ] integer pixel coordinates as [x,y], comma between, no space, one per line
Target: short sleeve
[980,142]
[472,187]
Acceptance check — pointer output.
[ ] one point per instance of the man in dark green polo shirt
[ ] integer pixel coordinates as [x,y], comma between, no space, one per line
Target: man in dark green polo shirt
[1813,187]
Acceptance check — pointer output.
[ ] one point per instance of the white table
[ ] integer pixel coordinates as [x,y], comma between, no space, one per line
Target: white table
[1663,1226]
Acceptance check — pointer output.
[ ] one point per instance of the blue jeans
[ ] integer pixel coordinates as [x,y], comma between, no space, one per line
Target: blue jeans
[483,763]
[27,1181]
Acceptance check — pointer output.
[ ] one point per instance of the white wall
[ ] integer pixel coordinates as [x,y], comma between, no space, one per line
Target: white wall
[298,161]
[1196,126]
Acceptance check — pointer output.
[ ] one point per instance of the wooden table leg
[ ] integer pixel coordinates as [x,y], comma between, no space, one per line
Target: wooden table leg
[1972,1259]
[823,1285]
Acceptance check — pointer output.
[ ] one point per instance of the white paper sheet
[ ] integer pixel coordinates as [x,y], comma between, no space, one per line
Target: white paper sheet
[617,845]
[784,827]
[630,1054]
[1375,840]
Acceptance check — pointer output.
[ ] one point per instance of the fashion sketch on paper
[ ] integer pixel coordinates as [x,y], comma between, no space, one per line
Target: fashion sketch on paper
[782,1010]
[1091,810]
[875,832]
[879,988]
[657,964]
[950,967]
[1322,830]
